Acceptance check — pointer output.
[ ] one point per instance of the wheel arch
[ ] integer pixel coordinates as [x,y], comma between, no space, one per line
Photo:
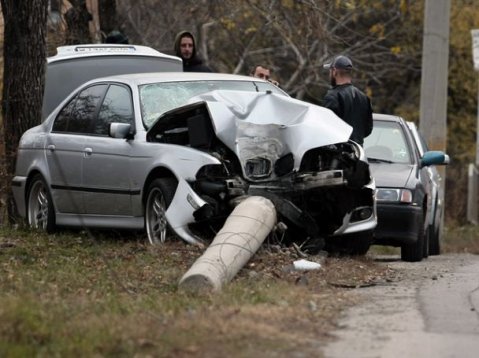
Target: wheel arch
[158,172]
[28,184]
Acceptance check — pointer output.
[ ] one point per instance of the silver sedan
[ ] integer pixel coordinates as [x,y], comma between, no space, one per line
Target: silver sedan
[177,151]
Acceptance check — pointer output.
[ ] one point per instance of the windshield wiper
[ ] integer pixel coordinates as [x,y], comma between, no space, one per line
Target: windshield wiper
[378,160]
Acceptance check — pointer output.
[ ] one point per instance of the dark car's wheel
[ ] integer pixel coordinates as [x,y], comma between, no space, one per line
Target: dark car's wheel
[414,252]
[427,238]
[159,197]
[435,240]
[40,212]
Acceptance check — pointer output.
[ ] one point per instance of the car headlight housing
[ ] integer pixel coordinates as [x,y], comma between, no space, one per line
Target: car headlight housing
[394,195]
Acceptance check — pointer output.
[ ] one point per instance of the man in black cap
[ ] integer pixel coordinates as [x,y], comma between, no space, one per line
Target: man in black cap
[348,102]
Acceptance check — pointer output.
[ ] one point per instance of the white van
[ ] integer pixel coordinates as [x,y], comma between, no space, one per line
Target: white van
[77,64]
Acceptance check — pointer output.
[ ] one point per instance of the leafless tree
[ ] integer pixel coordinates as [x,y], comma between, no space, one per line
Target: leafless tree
[294,38]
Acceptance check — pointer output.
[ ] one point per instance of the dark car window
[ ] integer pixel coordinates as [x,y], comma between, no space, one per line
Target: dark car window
[116,107]
[61,122]
[77,115]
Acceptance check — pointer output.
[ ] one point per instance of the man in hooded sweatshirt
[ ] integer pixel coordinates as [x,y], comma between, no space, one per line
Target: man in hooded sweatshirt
[185,48]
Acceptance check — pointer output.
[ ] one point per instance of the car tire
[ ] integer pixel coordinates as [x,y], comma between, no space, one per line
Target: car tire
[40,210]
[435,241]
[414,252]
[159,197]
[427,238]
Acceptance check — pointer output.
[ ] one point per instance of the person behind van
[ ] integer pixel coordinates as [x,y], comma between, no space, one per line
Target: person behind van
[185,48]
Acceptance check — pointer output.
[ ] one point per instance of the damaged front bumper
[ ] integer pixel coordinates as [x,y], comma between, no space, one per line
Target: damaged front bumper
[303,199]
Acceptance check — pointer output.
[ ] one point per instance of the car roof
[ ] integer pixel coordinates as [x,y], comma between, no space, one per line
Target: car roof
[153,77]
[65,53]
[387,117]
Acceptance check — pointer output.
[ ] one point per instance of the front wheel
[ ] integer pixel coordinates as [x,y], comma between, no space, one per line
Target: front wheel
[414,252]
[159,197]
[40,211]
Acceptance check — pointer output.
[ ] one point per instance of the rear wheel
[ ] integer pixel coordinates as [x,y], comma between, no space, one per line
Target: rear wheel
[435,241]
[159,197]
[40,211]
[427,238]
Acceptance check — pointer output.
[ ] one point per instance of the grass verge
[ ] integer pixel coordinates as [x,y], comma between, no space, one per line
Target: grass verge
[113,295]
[461,239]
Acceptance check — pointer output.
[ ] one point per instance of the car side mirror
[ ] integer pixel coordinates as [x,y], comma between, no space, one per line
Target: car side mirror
[434,157]
[120,130]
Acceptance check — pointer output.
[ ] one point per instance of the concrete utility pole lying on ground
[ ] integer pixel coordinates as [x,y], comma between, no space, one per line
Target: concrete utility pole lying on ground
[238,240]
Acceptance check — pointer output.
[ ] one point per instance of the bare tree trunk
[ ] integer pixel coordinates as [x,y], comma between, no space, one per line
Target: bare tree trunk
[23,80]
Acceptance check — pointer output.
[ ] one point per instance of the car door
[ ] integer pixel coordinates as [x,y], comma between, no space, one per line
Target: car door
[65,149]
[106,164]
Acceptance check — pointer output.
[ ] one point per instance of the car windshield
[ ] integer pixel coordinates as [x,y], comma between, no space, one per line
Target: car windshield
[387,143]
[158,98]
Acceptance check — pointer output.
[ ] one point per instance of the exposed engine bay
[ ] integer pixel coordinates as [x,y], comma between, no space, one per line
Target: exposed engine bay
[299,158]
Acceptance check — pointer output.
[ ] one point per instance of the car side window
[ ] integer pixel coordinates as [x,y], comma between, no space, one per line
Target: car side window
[61,122]
[116,107]
[77,115]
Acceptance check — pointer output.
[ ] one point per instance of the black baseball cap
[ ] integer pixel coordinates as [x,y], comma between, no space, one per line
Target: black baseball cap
[340,62]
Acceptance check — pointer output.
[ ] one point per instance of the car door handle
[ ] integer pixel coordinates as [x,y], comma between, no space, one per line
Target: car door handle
[87,152]
[51,147]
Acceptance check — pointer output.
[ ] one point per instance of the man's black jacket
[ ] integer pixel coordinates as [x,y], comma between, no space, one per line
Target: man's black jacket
[353,107]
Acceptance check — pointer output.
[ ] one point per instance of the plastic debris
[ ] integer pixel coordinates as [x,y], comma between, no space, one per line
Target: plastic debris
[305,265]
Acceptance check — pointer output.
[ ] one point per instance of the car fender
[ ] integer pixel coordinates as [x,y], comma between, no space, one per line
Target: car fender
[184,162]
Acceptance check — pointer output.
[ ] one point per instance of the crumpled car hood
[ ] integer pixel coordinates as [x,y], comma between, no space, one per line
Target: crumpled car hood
[271,125]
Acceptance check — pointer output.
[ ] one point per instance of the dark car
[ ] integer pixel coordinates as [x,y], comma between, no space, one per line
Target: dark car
[403,187]
[437,190]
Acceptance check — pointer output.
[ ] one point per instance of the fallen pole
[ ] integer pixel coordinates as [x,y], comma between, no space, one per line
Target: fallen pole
[238,240]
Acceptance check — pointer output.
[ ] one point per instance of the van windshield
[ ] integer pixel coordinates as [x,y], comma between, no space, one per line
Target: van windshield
[158,98]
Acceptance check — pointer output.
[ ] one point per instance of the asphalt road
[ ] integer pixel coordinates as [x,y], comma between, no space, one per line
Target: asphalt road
[431,310]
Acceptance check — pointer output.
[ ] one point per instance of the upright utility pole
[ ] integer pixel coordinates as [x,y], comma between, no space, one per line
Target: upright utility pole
[435,53]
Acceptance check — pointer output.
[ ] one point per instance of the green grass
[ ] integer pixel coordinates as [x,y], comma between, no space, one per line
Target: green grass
[461,239]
